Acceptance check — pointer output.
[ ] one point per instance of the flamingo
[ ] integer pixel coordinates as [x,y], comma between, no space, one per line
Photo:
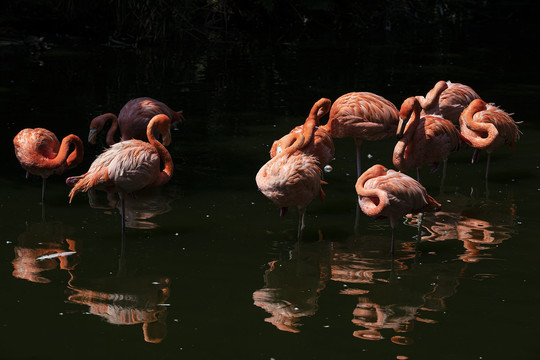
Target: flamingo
[318,141]
[448,100]
[387,193]
[291,179]
[129,165]
[487,127]
[423,139]
[132,120]
[40,153]
[363,116]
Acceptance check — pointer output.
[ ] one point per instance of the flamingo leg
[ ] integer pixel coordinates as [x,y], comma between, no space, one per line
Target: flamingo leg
[444,172]
[43,190]
[122,214]
[392,243]
[301,213]
[475,155]
[358,144]
[419,235]
[122,258]
[418,174]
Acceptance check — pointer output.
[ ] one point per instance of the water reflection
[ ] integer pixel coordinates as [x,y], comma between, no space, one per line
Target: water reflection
[43,247]
[140,207]
[392,295]
[292,285]
[126,299]
[479,227]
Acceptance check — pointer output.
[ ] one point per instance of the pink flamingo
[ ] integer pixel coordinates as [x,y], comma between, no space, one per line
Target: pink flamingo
[129,165]
[362,116]
[318,141]
[387,193]
[40,153]
[448,100]
[291,179]
[487,127]
[132,120]
[423,139]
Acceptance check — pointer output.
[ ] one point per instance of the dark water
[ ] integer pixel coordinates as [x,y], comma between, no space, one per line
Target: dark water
[210,270]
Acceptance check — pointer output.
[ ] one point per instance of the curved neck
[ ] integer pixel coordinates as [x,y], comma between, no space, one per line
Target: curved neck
[318,110]
[162,122]
[431,101]
[477,126]
[61,158]
[409,119]
[98,123]
[372,193]
[76,157]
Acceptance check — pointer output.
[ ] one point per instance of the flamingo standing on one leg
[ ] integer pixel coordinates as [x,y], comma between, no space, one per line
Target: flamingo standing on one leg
[40,153]
[387,193]
[317,141]
[132,120]
[423,139]
[487,127]
[291,179]
[129,165]
[448,100]
[363,116]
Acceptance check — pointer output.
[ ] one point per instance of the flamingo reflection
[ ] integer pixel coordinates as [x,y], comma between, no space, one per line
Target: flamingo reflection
[140,208]
[293,285]
[125,299]
[478,236]
[43,247]
[391,296]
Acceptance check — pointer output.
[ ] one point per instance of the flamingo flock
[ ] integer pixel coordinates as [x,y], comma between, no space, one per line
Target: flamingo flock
[429,129]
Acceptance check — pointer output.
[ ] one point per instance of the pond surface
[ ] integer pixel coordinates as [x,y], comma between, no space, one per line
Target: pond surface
[208,269]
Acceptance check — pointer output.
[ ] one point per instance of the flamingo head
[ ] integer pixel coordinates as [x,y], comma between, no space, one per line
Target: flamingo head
[409,106]
[163,124]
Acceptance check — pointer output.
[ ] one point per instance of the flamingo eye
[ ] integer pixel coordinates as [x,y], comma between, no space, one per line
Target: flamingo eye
[279,149]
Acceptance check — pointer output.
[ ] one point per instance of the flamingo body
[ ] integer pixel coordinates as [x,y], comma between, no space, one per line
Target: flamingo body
[129,165]
[387,193]
[486,127]
[424,139]
[40,153]
[448,100]
[291,179]
[133,119]
[363,116]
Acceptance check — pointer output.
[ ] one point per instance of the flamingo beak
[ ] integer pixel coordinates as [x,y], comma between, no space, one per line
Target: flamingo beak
[92,135]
